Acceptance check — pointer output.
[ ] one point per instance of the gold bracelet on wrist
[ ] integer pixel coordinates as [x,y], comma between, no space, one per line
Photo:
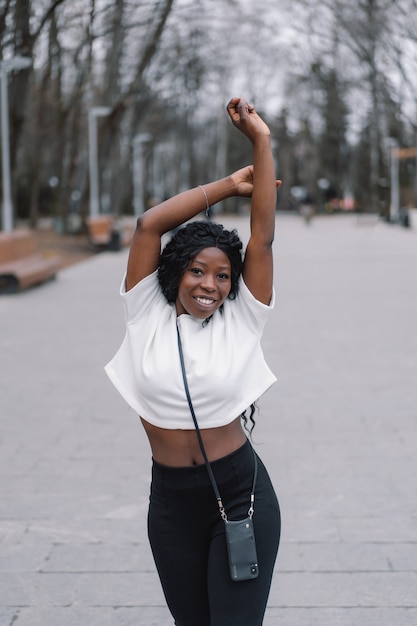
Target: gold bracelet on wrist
[207,202]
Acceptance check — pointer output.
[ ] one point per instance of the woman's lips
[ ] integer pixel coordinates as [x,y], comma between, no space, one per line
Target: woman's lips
[204,301]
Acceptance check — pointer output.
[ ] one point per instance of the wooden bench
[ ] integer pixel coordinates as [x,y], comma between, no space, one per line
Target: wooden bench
[106,233]
[21,264]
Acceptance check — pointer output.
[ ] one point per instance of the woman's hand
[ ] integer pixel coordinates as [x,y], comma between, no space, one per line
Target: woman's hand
[243,182]
[245,118]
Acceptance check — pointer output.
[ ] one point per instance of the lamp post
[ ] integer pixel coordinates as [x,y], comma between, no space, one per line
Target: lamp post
[138,177]
[16,63]
[394,213]
[93,114]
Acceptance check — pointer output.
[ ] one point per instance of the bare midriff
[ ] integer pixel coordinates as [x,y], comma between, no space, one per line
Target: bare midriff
[179,448]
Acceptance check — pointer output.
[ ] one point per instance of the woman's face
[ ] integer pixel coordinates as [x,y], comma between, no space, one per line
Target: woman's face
[205,284]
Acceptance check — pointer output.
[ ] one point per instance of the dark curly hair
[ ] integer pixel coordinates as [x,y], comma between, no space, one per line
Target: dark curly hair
[186,243]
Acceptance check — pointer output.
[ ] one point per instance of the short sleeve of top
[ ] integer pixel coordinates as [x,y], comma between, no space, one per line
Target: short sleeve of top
[226,369]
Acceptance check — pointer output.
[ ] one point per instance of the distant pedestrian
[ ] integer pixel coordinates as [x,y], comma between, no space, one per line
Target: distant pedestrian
[199,294]
[307,208]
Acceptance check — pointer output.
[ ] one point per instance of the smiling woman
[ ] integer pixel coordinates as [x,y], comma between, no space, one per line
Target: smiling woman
[201,296]
[205,284]
[187,243]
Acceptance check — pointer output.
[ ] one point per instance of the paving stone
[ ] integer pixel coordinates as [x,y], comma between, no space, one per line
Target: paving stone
[93,616]
[340,617]
[87,530]
[8,615]
[91,589]
[400,529]
[345,557]
[100,558]
[353,589]
[18,558]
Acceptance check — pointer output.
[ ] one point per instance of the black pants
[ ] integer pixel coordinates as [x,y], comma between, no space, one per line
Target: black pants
[187,538]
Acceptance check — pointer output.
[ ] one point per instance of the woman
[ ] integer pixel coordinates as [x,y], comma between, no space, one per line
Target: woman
[220,304]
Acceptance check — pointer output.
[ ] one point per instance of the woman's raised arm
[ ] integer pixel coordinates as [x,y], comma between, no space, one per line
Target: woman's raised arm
[258,264]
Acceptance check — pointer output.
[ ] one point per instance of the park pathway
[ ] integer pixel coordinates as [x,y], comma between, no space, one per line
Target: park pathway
[338,433]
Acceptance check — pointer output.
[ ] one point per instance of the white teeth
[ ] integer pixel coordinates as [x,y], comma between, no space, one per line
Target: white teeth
[205,300]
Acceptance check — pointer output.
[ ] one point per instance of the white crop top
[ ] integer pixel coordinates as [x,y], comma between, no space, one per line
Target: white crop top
[225,366]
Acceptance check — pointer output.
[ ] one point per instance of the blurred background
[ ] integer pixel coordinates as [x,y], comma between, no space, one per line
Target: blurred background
[114,105]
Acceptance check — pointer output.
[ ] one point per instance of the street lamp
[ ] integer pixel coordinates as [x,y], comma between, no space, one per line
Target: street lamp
[93,114]
[395,180]
[16,63]
[138,178]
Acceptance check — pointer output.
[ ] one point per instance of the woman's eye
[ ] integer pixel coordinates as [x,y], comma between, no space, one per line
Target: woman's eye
[224,276]
[196,270]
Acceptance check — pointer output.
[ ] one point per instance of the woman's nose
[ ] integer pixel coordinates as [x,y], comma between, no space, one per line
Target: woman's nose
[208,282]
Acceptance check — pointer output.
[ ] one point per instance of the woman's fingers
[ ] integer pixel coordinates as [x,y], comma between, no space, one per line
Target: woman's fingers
[246,119]
[238,109]
[241,112]
[233,109]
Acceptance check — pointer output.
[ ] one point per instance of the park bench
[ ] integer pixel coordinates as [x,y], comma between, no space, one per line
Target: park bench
[106,233]
[21,264]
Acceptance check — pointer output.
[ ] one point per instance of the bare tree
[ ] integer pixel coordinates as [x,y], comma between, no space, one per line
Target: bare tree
[326,71]
[371,63]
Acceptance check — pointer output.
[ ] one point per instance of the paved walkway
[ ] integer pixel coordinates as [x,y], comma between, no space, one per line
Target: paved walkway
[338,433]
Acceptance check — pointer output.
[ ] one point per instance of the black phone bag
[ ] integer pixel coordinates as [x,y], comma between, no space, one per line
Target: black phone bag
[240,537]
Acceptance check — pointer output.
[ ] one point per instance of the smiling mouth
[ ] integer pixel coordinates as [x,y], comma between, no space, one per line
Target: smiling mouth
[204,301]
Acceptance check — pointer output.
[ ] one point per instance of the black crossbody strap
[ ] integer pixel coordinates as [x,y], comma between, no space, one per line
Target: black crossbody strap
[201,444]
